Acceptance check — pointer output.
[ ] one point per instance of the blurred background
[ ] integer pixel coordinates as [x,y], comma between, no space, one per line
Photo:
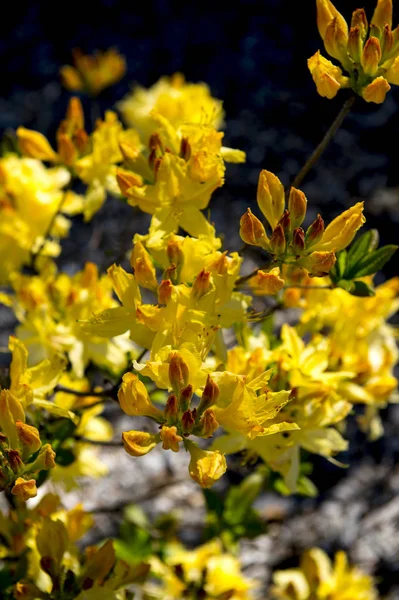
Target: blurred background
[253,56]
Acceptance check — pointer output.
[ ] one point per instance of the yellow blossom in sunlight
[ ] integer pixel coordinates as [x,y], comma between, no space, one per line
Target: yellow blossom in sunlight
[319,578]
[206,466]
[174,99]
[93,73]
[368,55]
[138,443]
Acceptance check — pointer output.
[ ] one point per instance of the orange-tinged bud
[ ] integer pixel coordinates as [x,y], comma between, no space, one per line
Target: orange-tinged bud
[326,12]
[318,264]
[270,197]
[355,44]
[134,399]
[127,180]
[188,421]
[45,460]
[376,90]
[207,425]
[34,145]
[170,438]
[171,410]
[297,204]
[285,222]
[138,443]
[29,438]
[15,461]
[252,231]
[359,19]
[24,489]
[209,396]
[165,290]
[315,231]
[185,398]
[382,14]
[178,372]
[277,241]
[266,283]
[66,149]
[298,241]
[143,267]
[206,466]
[201,285]
[387,42]
[175,253]
[75,115]
[336,40]
[371,56]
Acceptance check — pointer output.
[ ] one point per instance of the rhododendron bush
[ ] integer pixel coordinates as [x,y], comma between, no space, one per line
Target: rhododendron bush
[177,339]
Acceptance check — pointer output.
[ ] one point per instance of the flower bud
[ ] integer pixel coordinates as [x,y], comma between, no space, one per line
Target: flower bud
[188,421]
[318,264]
[10,411]
[75,115]
[277,241]
[127,180]
[252,231]
[185,398]
[29,438]
[52,541]
[315,231]
[143,267]
[171,410]
[298,241]
[206,466]
[371,56]
[387,42]
[382,14]
[175,253]
[297,204]
[207,425]
[202,285]
[66,149]
[178,372]
[266,283]
[376,90]
[165,290]
[45,460]
[341,231]
[285,222]
[24,488]
[326,12]
[270,197]
[138,443]
[99,563]
[71,78]
[34,145]
[15,460]
[355,44]
[170,439]
[209,396]
[359,19]
[134,399]
[336,40]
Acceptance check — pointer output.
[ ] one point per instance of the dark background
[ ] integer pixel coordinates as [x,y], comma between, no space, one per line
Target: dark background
[253,55]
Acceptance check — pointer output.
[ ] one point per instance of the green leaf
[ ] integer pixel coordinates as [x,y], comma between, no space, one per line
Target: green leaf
[345,285]
[362,289]
[363,244]
[307,488]
[64,457]
[341,263]
[374,261]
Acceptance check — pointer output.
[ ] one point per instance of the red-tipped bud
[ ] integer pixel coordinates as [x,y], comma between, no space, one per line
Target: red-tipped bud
[315,231]
[298,241]
[355,44]
[202,285]
[386,41]
[207,425]
[15,460]
[178,372]
[252,231]
[285,222]
[209,396]
[359,19]
[297,204]
[185,398]
[188,421]
[371,56]
[336,40]
[277,241]
[171,410]
[165,289]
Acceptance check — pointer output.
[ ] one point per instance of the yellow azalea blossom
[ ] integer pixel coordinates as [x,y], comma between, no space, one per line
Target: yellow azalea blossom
[369,56]
[174,99]
[93,73]
[30,197]
[319,578]
[98,168]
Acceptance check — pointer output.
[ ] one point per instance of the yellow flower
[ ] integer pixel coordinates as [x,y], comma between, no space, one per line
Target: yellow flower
[341,231]
[369,56]
[174,99]
[138,443]
[266,283]
[24,488]
[93,73]
[206,466]
[170,439]
[134,399]
[34,145]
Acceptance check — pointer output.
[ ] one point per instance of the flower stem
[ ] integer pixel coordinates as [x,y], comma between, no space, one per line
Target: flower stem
[318,151]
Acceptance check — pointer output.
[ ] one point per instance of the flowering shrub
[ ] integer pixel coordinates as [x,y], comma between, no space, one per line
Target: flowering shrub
[176,337]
